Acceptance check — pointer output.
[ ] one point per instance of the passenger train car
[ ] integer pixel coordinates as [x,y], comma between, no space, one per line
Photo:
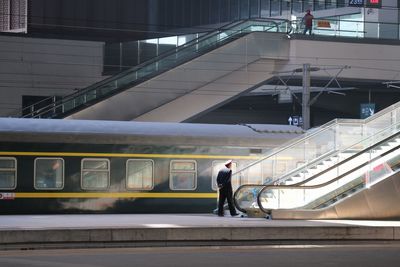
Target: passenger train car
[71,166]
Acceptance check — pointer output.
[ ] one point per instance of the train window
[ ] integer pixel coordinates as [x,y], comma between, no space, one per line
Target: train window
[139,174]
[8,173]
[49,173]
[95,174]
[217,165]
[183,175]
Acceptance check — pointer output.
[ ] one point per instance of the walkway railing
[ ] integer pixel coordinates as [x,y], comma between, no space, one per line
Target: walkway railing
[329,26]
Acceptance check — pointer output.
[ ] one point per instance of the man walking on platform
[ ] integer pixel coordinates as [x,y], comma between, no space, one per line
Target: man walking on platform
[225,189]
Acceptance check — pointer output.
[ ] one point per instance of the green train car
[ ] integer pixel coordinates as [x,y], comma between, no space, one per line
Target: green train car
[76,166]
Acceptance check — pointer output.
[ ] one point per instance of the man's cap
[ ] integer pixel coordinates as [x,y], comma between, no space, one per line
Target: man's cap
[228,162]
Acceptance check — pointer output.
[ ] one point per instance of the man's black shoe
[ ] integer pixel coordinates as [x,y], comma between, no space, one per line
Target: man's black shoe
[220,215]
[236,214]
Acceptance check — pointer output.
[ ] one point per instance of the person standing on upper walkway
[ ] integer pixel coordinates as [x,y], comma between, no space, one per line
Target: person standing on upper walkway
[308,22]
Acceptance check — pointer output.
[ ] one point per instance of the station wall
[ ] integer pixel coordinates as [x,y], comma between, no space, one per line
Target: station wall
[45,67]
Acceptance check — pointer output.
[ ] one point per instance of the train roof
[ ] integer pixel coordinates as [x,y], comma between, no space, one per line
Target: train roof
[44,130]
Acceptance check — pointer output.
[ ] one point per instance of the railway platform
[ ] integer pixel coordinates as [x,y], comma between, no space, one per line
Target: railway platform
[161,230]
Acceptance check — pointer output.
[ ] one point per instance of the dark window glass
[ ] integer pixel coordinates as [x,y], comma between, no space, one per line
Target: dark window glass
[52,12]
[36,12]
[275,8]
[186,9]
[319,4]
[341,3]
[112,61]
[254,8]
[205,11]
[297,6]
[308,4]
[234,9]
[129,54]
[264,6]
[196,12]
[285,7]
[214,11]
[110,15]
[330,4]
[225,7]
[147,51]
[244,9]
[81,12]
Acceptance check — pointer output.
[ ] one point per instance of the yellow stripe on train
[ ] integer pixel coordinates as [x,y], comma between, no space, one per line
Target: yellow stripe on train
[122,155]
[114,195]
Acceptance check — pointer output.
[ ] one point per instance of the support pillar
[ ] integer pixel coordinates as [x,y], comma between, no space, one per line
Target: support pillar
[306,96]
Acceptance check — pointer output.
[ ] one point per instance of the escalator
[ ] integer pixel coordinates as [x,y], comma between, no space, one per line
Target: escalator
[365,185]
[317,150]
[142,73]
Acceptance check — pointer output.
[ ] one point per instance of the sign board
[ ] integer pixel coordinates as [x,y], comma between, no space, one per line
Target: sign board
[373,3]
[296,120]
[356,3]
[367,110]
[323,24]
[284,97]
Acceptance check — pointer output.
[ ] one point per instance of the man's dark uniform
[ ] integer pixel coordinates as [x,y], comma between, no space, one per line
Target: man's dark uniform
[225,191]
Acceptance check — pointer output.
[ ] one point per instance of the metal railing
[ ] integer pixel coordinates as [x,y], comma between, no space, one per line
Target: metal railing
[328,26]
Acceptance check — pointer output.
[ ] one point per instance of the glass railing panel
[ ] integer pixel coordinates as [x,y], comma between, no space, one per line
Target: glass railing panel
[388,31]
[68,105]
[348,134]
[320,144]
[378,123]
[91,95]
[143,72]
[267,171]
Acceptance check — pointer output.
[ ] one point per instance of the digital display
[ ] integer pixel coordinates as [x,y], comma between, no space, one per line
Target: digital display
[374,3]
[358,3]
